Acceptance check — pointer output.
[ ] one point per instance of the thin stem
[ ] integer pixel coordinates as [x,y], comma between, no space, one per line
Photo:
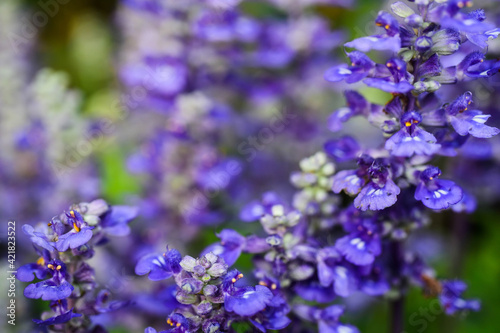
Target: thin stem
[460,231]
[397,315]
[397,305]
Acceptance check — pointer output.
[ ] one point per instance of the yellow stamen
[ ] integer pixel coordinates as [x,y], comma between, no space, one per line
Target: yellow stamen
[49,224]
[378,24]
[76,227]
[415,121]
[178,324]
[233,280]
[263,283]
[50,266]
[169,322]
[40,261]
[460,4]
[431,178]
[58,267]
[240,276]
[387,27]
[408,123]
[274,286]
[72,213]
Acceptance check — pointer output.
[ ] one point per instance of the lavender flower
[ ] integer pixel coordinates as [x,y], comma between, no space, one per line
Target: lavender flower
[211,300]
[63,245]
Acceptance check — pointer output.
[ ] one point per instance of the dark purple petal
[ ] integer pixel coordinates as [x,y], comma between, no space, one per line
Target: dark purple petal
[374,198]
[441,194]
[252,212]
[357,250]
[26,273]
[61,319]
[338,73]
[473,123]
[73,239]
[115,222]
[366,44]
[48,290]
[155,265]
[254,244]
[38,238]
[388,86]
[405,144]
[314,292]
[248,301]
[348,181]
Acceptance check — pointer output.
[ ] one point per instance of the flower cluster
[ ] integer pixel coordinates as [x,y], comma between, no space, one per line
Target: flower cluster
[217,75]
[64,246]
[208,298]
[394,185]
[213,75]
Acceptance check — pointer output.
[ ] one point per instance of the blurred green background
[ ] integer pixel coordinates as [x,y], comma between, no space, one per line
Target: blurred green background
[82,40]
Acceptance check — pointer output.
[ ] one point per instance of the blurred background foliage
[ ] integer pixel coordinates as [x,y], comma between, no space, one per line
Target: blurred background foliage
[82,40]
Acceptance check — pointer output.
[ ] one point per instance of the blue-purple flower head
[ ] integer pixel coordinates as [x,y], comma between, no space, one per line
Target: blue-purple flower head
[411,139]
[437,193]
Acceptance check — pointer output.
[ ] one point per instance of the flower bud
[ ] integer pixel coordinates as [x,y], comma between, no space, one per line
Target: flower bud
[185,298]
[217,270]
[188,263]
[191,286]
[203,308]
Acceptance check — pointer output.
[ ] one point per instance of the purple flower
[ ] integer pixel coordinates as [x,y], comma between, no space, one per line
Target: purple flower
[327,318]
[273,317]
[53,288]
[356,106]
[352,181]
[361,66]
[256,209]
[473,122]
[451,298]
[374,283]
[314,292]
[333,271]
[79,235]
[376,42]
[388,22]
[466,121]
[27,273]
[411,139]
[230,247]
[232,244]
[248,301]
[159,266]
[163,76]
[362,245]
[38,238]
[343,149]
[59,319]
[381,192]
[49,290]
[389,86]
[468,204]
[437,193]
[115,221]
[103,304]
